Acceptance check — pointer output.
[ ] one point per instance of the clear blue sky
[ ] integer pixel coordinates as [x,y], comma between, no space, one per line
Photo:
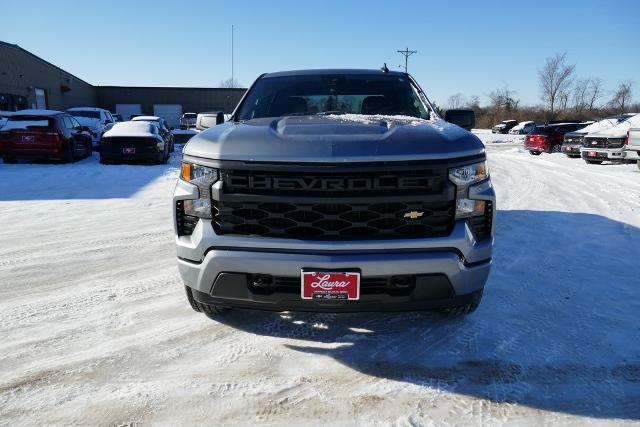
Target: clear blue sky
[463,46]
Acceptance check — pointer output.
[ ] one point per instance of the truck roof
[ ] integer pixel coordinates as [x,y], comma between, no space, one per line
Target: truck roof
[331,71]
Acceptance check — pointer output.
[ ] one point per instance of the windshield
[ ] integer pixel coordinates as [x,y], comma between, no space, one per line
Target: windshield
[332,94]
[85,113]
[28,123]
[189,116]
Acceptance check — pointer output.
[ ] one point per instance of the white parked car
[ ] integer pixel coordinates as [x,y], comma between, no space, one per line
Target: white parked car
[522,128]
[632,145]
[97,120]
[188,120]
[608,144]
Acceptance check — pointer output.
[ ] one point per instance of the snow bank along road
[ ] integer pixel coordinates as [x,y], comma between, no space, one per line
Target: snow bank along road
[95,327]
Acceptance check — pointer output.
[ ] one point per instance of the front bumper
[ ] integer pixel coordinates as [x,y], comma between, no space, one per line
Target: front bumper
[602,153]
[216,267]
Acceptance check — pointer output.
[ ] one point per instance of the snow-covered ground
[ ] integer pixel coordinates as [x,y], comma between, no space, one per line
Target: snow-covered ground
[95,327]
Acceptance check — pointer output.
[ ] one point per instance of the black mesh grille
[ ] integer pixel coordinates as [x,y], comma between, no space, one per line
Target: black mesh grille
[397,201]
[185,223]
[481,225]
[335,221]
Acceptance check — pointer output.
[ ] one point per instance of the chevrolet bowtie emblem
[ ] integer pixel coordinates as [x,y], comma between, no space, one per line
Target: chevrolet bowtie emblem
[413,214]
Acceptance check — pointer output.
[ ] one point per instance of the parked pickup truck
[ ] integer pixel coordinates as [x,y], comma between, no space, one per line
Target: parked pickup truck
[632,145]
[338,191]
[608,144]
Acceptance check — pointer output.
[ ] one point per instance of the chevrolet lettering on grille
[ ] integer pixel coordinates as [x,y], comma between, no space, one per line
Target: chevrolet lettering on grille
[265,182]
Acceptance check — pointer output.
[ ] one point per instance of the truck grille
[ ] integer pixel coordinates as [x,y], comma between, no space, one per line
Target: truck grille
[328,206]
[603,142]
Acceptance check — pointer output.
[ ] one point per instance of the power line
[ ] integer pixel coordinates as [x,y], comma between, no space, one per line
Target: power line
[407,53]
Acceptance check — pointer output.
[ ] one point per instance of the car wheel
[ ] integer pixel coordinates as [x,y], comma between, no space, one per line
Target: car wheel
[556,148]
[69,154]
[534,153]
[104,161]
[594,162]
[211,311]
[464,309]
[10,160]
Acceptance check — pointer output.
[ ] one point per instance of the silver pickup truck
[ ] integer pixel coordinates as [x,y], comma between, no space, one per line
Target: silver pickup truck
[632,145]
[335,190]
[608,144]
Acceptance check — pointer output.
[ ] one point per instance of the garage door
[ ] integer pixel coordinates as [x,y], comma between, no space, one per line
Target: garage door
[126,110]
[170,112]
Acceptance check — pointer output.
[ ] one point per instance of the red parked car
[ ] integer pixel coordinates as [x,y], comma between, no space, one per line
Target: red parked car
[44,134]
[549,138]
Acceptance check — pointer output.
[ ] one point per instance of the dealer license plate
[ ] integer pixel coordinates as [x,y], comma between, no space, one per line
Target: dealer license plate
[330,285]
[128,150]
[593,153]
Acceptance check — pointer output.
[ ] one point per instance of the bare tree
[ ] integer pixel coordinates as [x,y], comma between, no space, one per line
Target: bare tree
[230,83]
[473,102]
[456,101]
[622,95]
[581,94]
[504,99]
[555,79]
[596,90]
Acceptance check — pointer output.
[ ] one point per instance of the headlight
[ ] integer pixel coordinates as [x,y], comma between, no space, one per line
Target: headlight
[203,177]
[463,177]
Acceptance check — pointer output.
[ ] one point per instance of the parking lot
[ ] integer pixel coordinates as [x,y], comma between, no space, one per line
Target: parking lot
[96,328]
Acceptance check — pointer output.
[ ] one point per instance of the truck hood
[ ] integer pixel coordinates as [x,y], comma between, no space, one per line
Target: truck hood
[343,138]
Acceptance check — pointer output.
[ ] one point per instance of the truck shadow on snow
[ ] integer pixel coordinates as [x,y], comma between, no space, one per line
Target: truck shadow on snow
[558,328]
[84,179]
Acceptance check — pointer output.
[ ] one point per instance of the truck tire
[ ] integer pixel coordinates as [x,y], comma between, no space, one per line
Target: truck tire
[69,154]
[211,311]
[465,309]
[534,153]
[10,160]
[594,162]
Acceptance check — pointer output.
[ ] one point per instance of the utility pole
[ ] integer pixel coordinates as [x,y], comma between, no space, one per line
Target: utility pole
[407,53]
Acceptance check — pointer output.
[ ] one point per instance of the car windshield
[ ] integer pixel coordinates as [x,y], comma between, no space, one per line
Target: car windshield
[28,123]
[190,116]
[332,94]
[85,113]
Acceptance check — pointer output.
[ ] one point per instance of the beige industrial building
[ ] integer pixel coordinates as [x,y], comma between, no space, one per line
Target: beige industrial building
[28,81]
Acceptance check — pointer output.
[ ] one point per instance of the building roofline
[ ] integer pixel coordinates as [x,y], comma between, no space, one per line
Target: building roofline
[15,46]
[169,87]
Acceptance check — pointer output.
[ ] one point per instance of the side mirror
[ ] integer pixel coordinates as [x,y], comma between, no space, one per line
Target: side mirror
[466,119]
[171,128]
[219,118]
[107,122]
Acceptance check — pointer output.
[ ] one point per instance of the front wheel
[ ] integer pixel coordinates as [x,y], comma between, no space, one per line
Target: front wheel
[464,309]
[594,162]
[211,311]
[10,160]
[534,153]
[556,148]
[69,154]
